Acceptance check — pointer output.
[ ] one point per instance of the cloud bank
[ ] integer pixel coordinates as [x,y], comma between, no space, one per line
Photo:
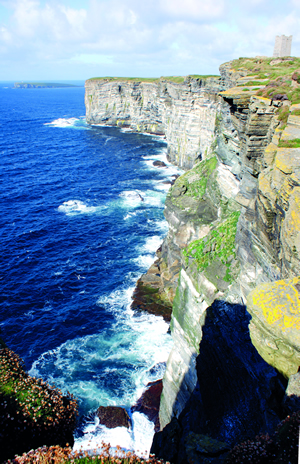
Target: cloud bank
[80,39]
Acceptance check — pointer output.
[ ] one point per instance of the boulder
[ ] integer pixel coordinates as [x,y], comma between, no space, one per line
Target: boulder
[113,416]
[160,164]
[148,403]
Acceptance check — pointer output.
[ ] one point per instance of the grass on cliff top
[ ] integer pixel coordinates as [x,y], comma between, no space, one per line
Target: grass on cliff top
[175,79]
[125,79]
[218,244]
[295,143]
[261,67]
[279,75]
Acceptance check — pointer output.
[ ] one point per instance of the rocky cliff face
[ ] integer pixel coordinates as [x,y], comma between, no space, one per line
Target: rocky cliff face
[233,234]
[213,361]
[184,112]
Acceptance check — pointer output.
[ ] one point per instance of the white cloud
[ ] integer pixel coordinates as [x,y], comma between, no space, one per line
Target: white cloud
[94,37]
[92,58]
[26,17]
[194,9]
[5,35]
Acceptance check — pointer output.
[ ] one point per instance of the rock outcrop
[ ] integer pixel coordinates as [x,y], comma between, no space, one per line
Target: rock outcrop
[148,403]
[233,234]
[275,324]
[113,416]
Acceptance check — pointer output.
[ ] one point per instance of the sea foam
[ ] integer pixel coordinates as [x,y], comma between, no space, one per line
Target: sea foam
[78,123]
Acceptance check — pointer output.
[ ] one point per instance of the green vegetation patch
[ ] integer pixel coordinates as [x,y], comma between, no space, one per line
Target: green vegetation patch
[262,68]
[253,83]
[218,244]
[176,79]
[295,113]
[125,79]
[203,76]
[283,114]
[193,183]
[295,143]
[279,75]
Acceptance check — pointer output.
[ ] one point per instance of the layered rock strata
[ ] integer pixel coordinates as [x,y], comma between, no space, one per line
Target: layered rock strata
[183,112]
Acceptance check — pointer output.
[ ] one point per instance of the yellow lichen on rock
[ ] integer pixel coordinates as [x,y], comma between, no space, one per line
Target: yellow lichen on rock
[270,153]
[282,161]
[275,311]
[265,187]
[279,303]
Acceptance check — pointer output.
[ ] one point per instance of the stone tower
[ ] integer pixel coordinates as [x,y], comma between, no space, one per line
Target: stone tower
[283,45]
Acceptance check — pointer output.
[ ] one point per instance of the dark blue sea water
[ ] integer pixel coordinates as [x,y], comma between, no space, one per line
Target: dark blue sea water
[81,218]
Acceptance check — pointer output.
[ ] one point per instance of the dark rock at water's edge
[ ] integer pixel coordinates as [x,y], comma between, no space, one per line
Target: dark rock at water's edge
[237,395]
[148,403]
[158,163]
[146,298]
[113,416]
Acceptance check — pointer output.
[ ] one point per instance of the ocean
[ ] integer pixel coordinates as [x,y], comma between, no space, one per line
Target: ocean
[82,217]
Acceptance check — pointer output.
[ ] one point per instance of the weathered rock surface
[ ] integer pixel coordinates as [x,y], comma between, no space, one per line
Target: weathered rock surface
[113,416]
[275,324]
[202,239]
[151,295]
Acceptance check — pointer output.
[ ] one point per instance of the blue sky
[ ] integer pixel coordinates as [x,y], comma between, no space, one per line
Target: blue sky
[78,39]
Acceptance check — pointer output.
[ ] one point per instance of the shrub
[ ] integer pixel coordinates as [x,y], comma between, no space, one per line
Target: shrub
[281,447]
[104,455]
[31,412]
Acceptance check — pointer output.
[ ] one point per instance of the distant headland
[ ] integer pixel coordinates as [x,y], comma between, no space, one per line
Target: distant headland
[41,85]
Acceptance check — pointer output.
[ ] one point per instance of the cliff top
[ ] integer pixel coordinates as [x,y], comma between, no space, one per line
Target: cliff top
[176,79]
[268,77]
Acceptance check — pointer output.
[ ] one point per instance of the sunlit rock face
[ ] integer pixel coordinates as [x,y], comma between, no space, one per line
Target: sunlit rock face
[275,324]
[255,194]
[184,112]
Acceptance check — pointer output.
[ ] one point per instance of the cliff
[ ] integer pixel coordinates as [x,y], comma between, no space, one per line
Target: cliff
[183,112]
[229,265]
